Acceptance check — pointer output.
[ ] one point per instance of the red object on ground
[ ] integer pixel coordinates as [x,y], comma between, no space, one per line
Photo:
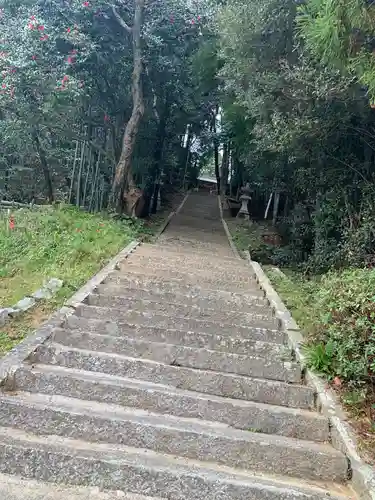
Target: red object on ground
[11,222]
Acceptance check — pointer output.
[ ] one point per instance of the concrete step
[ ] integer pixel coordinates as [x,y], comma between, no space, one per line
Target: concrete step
[271,366]
[264,319]
[63,460]
[195,247]
[205,263]
[184,437]
[222,282]
[198,340]
[209,382]
[206,273]
[162,399]
[182,283]
[161,319]
[156,249]
[139,321]
[193,243]
[16,488]
[187,296]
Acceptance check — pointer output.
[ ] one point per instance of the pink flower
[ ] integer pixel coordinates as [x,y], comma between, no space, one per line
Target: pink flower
[71,60]
[3,86]
[86,4]
[199,18]
[31,26]
[65,78]
[337,382]
[33,57]
[43,38]
[41,27]
[68,30]
[106,118]
[32,18]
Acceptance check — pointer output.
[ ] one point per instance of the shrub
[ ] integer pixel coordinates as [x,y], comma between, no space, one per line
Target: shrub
[346,303]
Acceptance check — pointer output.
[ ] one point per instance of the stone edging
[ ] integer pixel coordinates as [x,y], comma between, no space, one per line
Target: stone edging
[342,435]
[46,292]
[170,217]
[14,359]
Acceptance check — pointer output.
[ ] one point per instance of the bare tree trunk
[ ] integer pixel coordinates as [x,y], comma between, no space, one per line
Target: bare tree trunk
[225,169]
[123,187]
[216,153]
[45,168]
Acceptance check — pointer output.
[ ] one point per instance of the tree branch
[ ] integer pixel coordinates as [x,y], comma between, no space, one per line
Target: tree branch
[121,21]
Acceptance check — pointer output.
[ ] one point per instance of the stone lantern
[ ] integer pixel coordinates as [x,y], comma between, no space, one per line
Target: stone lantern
[245,199]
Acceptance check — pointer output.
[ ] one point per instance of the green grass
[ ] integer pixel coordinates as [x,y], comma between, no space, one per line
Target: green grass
[62,243]
[298,294]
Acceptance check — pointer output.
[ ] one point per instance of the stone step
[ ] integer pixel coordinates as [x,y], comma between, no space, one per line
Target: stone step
[195,247]
[187,242]
[240,414]
[233,317]
[183,282]
[222,282]
[270,366]
[215,342]
[186,261]
[156,249]
[120,467]
[141,322]
[184,437]
[161,319]
[205,299]
[16,488]
[206,381]
[205,273]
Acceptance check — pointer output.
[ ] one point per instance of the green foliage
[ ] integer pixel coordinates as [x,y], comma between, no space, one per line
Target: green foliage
[320,358]
[346,304]
[340,33]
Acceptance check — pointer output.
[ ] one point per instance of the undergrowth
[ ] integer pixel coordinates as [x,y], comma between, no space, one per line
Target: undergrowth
[336,312]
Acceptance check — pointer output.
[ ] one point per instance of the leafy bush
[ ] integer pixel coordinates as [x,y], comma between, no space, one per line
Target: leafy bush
[346,304]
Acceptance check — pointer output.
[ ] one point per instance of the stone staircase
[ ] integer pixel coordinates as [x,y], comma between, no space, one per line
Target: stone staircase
[173,381]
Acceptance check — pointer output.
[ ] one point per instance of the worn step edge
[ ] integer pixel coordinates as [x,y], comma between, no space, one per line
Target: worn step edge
[181,310]
[187,296]
[65,460]
[242,276]
[179,284]
[210,341]
[211,382]
[139,321]
[178,321]
[157,248]
[221,282]
[187,262]
[240,414]
[16,488]
[267,366]
[185,437]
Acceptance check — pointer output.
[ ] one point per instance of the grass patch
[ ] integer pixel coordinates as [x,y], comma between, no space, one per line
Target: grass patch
[60,242]
[254,237]
[298,295]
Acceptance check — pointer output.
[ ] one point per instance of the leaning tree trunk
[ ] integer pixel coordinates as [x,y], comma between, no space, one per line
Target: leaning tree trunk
[124,189]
